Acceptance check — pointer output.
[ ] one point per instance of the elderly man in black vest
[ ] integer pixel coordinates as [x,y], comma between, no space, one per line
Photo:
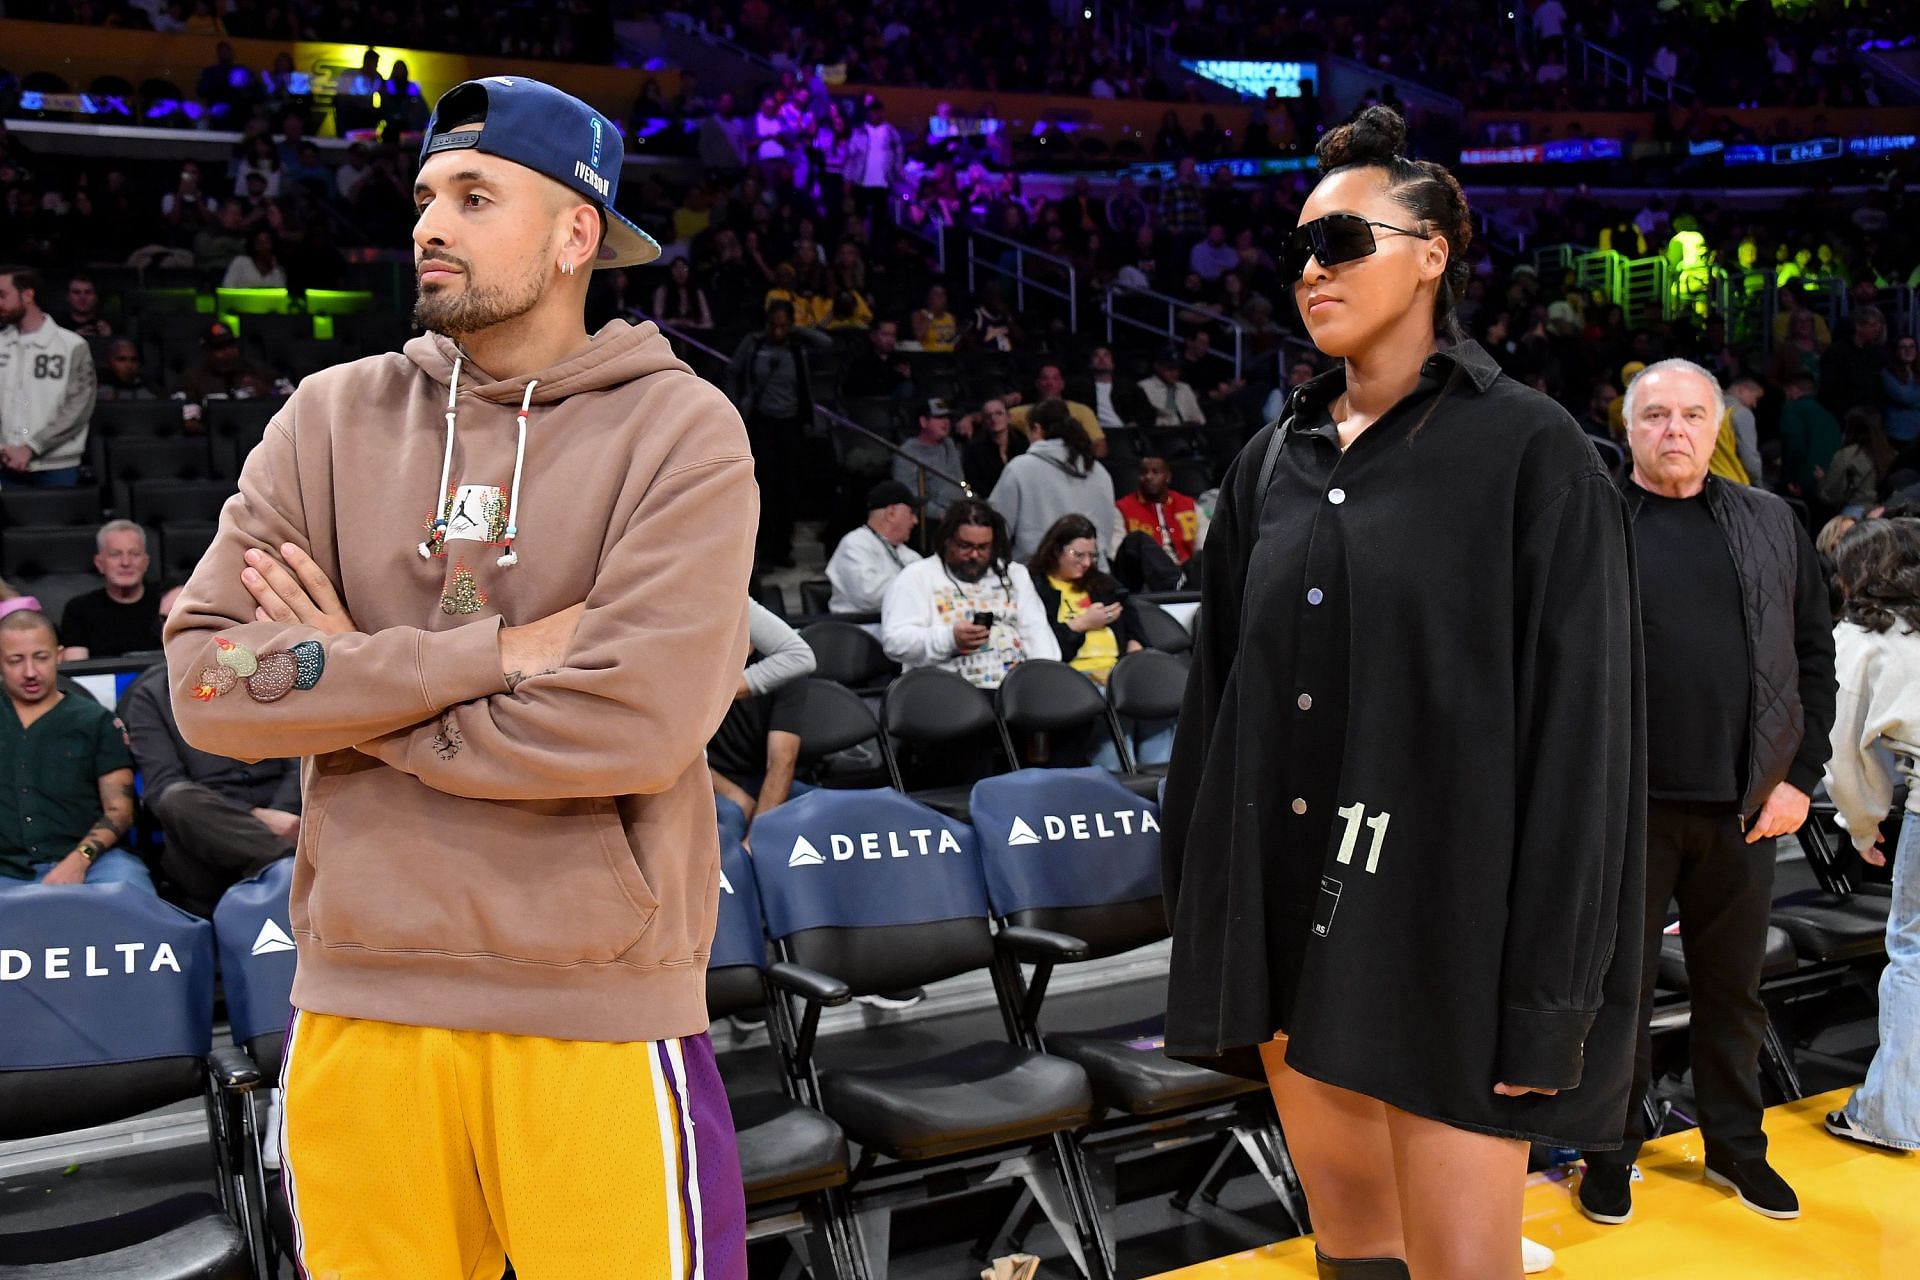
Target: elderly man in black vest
[1740,698]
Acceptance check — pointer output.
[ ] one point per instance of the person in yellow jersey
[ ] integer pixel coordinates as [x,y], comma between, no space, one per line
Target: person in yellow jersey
[452,580]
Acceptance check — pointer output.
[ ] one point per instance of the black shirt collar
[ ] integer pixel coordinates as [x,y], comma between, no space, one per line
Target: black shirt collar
[1469,356]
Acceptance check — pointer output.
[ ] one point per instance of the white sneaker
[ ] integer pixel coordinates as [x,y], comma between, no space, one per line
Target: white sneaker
[893,999]
[1534,1256]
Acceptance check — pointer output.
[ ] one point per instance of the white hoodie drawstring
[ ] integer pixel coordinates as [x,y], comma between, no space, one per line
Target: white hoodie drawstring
[438,534]
[510,558]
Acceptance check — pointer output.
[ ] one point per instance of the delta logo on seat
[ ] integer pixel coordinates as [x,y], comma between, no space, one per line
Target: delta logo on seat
[271,938]
[1085,826]
[875,845]
[120,958]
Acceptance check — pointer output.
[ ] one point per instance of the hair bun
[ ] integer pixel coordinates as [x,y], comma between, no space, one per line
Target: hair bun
[1375,136]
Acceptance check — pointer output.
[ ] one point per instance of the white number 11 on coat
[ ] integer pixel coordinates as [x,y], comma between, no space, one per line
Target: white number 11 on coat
[1354,814]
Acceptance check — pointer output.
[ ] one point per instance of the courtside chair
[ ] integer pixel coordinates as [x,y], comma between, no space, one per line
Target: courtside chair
[793,1159]
[848,654]
[1040,696]
[1159,628]
[938,715]
[836,722]
[1148,687]
[880,893]
[1072,864]
[109,1014]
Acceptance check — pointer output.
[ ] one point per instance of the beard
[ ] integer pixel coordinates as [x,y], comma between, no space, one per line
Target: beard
[12,316]
[474,306]
[971,571]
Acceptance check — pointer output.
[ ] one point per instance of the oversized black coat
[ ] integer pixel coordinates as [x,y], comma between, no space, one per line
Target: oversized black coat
[1493,704]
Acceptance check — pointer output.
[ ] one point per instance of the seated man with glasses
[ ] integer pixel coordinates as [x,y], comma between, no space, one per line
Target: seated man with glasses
[967,607]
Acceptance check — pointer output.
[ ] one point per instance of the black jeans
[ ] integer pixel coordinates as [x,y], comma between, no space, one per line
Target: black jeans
[213,843]
[776,455]
[1698,854]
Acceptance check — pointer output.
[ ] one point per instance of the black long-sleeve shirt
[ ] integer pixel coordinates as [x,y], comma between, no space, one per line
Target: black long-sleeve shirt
[1691,613]
[1782,651]
[164,757]
[1405,816]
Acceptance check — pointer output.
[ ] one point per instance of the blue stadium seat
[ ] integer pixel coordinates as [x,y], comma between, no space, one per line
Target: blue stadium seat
[1073,854]
[791,1155]
[880,893]
[108,1010]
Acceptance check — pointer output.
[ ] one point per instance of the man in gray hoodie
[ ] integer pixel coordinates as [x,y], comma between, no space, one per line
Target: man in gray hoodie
[1057,476]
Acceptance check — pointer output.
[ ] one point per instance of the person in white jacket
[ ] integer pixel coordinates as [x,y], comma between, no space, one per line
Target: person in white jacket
[869,558]
[46,390]
[967,608]
[1876,731]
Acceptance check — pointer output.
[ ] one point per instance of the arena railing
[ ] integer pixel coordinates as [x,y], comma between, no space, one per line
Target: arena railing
[1169,329]
[1023,279]
[682,339]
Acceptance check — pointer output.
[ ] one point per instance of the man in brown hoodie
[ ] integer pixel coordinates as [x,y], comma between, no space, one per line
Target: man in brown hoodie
[493,588]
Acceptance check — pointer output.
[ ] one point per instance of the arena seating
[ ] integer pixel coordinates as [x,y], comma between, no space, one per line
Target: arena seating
[842,1144]
[109,1013]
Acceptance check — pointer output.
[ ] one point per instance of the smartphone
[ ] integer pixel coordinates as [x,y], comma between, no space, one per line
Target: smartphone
[983,620]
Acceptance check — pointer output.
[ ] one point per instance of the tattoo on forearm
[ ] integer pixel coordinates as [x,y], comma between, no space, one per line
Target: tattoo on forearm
[448,742]
[517,678]
[105,825]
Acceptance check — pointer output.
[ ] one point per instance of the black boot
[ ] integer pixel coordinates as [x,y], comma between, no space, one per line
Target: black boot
[1360,1268]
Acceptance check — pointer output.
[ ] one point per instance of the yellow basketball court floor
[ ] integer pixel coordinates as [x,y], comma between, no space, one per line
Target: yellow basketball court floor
[1860,1217]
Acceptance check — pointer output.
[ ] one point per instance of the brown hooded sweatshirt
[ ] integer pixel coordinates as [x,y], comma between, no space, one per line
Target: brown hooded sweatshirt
[537,862]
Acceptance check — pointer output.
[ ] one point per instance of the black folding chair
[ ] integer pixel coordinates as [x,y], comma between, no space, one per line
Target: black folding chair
[879,893]
[1051,698]
[929,712]
[1072,861]
[1159,628]
[848,654]
[839,738]
[1148,687]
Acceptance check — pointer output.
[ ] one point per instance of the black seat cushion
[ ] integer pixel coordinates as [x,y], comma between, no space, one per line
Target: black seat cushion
[1828,926]
[786,1149]
[186,1238]
[982,1096]
[955,802]
[1131,1072]
[1142,783]
[1780,958]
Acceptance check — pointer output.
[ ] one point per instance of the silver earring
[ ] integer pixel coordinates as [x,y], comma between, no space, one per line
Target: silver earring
[566,268]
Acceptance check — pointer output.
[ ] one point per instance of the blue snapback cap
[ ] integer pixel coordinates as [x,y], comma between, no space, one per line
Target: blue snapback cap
[553,133]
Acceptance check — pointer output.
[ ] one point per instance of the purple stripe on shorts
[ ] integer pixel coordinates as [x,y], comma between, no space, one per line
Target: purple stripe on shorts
[723,1206]
[682,1181]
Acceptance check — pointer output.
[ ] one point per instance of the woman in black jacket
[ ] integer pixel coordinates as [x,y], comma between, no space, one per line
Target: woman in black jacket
[1095,619]
[1404,819]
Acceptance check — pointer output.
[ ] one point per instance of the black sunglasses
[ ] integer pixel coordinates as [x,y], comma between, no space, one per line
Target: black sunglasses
[1334,239]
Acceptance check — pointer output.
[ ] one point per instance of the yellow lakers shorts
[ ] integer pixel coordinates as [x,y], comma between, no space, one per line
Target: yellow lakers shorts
[416,1153]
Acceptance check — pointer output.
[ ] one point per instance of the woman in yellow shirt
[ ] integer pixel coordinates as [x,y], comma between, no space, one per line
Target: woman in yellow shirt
[1093,625]
[1083,604]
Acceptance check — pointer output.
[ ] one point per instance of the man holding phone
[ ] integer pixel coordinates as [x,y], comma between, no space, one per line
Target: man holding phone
[967,608]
